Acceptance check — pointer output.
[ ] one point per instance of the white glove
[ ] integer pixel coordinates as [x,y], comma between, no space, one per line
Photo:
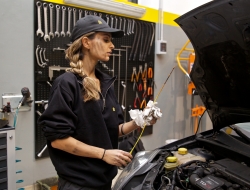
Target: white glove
[144,117]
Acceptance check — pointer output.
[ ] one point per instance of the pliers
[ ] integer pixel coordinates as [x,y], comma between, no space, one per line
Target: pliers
[136,99]
[139,72]
[134,75]
[143,103]
[150,72]
[144,73]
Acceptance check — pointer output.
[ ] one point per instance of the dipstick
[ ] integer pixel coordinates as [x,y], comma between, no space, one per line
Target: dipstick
[154,102]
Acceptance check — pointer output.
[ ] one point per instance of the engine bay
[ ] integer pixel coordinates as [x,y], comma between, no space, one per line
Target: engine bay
[211,163]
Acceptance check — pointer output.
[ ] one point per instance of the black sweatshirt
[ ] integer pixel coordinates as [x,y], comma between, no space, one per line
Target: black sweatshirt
[93,122]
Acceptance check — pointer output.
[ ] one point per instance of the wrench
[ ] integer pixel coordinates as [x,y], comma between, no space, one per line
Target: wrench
[69,21]
[74,16]
[116,20]
[39,30]
[63,21]
[51,33]
[46,36]
[120,27]
[112,21]
[124,26]
[57,21]
[86,13]
[107,16]
[133,25]
[80,13]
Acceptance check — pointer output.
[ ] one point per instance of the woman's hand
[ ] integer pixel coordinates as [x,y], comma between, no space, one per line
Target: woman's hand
[117,157]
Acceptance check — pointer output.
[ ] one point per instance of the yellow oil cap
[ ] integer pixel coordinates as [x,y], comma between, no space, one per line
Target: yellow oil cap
[171,159]
[182,151]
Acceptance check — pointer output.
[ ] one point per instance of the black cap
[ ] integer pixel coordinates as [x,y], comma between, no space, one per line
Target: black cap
[92,23]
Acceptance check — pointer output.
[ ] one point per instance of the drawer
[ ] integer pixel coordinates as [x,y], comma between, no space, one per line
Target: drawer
[3,183]
[3,140]
[3,150]
[3,161]
[3,173]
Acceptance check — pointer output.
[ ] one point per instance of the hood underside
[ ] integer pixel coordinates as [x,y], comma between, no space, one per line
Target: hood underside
[220,34]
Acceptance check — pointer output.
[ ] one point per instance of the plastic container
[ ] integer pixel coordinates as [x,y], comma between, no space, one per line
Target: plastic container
[171,163]
[184,156]
[48,183]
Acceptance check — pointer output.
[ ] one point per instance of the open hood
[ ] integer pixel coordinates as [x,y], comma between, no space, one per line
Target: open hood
[220,34]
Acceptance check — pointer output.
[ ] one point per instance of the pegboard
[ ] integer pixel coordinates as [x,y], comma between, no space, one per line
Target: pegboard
[134,50]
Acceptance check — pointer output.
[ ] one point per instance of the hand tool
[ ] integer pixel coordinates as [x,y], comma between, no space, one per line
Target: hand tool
[44,57]
[135,86]
[140,86]
[150,88]
[133,25]
[55,68]
[134,75]
[57,20]
[138,40]
[154,101]
[145,40]
[144,73]
[126,73]
[69,21]
[107,16]
[112,21]
[116,20]
[149,28]
[41,59]
[143,103]
[120,26]
[137,99]
[39,30]
[86,13]
[37,57]
[139,73]
[119,68]
[134,42]
[152,38]
[51,8]
[124,26]
[113,69]
[128,27]
[150,71]
[80,13]
[46,36]
[58,49]
[142,46]
[63,21]
[74,16]
[123,95]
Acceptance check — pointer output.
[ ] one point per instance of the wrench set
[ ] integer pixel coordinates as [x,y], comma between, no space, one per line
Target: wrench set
[53,27]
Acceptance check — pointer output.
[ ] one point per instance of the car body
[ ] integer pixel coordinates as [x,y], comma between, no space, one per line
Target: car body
[219,158]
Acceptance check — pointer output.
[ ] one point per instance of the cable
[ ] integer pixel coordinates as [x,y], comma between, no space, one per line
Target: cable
[15,117]
[154,102]
[199,123]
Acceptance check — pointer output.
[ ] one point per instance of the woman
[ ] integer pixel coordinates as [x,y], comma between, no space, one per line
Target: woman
[83,119]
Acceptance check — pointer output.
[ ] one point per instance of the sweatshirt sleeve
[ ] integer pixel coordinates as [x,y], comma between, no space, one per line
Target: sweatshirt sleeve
[58,120]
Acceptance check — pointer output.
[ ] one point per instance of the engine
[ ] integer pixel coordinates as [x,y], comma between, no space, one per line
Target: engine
[205,175]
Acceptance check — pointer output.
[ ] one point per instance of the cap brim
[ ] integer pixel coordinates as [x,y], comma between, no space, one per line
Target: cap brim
[116,33]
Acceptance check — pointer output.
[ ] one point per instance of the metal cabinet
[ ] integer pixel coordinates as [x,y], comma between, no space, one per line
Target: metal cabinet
[7,159]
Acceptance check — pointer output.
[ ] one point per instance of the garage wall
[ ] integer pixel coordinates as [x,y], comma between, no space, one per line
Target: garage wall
[16,53]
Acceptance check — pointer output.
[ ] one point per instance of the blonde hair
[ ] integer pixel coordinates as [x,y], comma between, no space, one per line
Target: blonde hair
[75,55]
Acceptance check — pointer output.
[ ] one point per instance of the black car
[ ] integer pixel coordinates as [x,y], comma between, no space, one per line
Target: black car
[219,158]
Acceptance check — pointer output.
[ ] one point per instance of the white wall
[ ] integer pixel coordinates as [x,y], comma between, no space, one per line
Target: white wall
[173,6]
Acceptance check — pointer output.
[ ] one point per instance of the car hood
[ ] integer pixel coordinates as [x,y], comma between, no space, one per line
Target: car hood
[220,34]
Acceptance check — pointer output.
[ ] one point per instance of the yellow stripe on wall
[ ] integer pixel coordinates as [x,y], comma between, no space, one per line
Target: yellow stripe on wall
[151,15]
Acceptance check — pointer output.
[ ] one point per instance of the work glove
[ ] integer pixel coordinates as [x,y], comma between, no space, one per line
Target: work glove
[143,118]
